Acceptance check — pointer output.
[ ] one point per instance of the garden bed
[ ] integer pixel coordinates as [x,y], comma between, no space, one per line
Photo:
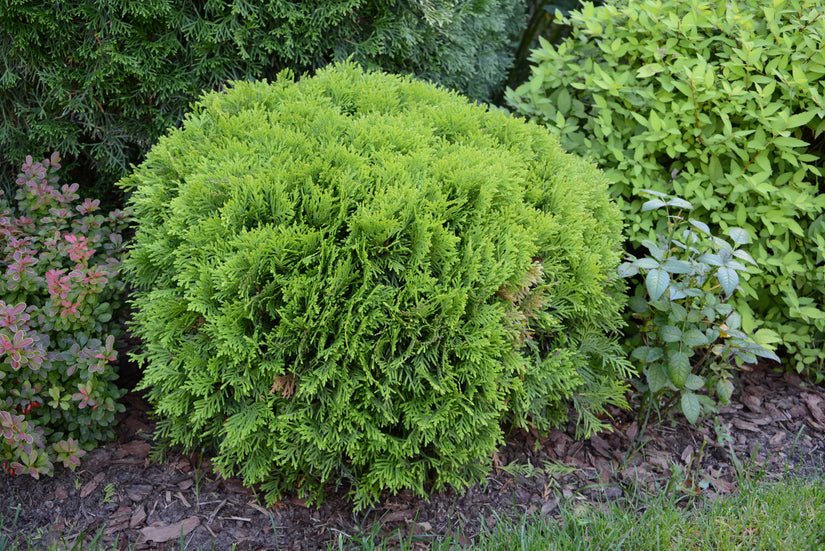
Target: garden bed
[123,494]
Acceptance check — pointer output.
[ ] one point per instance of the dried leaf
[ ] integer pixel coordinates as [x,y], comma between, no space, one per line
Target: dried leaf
[92,485]
[687,455]
[285,384]
[160,532]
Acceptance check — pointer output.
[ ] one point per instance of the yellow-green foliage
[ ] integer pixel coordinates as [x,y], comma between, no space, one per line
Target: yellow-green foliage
[721,102]
[357,277]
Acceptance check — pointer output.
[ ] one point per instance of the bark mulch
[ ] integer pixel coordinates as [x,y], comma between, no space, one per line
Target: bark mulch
[120,494]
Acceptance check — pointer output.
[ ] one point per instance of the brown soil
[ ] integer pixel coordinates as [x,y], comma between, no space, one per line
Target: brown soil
[777,427]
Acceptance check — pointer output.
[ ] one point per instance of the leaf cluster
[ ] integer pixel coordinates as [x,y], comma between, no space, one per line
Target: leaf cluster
[691,337]
[357,278]
[101,80]
[719,102]
[60,264]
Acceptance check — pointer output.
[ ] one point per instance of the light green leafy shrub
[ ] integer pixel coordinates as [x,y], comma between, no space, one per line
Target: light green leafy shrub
[719,102]
[356,278]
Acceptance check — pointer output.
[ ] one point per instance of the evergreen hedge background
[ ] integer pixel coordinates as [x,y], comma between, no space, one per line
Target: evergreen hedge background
[357,278]
[100,80]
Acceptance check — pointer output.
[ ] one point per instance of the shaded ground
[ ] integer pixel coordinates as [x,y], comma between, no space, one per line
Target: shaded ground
[777,426]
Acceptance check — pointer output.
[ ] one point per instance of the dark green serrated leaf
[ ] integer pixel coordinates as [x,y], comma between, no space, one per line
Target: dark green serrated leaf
[647,354]
[646,264]
[691,407]
[739,236]
[627,269]
[675,266]
[724,390]
[678,367]
[657,379]
[657,282]
[701,226]
[693,338]
[680,203]
[694,382]
[653,204]
[678,313]
[638,304]
[728,278]
[670,333]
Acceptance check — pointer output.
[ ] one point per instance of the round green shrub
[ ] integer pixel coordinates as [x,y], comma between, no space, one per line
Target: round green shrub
[358,277]
[101,80]
[719,102]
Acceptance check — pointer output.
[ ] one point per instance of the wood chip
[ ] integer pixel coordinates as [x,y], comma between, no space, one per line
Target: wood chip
[138,516]
[776,439]
[215,512]
[814,406]
[61,493]
[139,492]
[258,508]
[600,445]
[136,448]
[183,500]
[161,532]
[754,403]
[186,484]
[92,485]
[758,419]
[741,424]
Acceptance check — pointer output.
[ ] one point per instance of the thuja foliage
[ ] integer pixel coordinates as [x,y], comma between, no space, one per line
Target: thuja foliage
[59,285]
[690,336]
[720,102]
[100,80]
[356,278]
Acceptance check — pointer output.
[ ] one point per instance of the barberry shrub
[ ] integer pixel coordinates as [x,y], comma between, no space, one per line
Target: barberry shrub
[721,102]
[60,288]
[358,277]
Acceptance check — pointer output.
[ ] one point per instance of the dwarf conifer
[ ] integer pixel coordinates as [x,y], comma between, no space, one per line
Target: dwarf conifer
[358,277]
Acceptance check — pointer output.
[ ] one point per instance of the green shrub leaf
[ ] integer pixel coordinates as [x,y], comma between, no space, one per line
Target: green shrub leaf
[657,282]
[670,333]
[691,407]
[739,236]
[728,278]
[678,367]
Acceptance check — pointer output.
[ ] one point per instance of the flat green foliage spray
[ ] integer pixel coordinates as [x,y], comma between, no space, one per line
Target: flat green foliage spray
[357,278]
